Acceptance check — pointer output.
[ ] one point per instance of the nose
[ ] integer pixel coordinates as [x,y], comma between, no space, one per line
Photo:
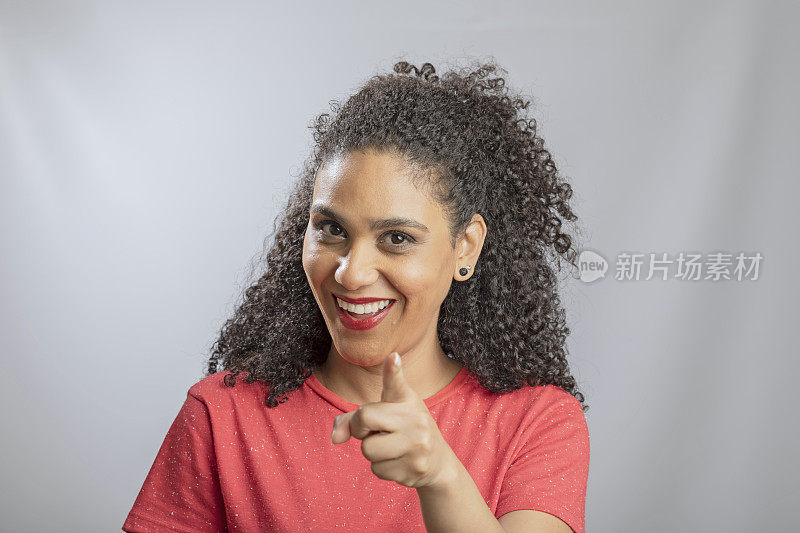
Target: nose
[357,268]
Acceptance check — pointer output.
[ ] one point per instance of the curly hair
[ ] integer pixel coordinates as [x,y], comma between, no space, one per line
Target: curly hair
[506,323]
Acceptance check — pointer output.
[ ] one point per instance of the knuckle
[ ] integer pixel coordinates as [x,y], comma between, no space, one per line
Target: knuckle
[365,414]
[366,449]
[424,442]
[358,416]
[420,464]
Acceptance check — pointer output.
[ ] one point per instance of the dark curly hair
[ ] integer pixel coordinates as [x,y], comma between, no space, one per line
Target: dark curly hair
[506,323]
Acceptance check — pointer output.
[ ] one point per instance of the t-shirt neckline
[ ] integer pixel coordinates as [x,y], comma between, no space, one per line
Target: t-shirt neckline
[342,404]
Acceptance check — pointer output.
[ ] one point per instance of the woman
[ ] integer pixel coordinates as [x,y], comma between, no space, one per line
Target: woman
[420,228]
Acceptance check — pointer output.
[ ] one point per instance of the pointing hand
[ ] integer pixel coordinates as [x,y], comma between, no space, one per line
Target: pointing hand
[398,434]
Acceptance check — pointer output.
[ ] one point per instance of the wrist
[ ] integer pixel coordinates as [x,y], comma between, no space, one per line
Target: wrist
[448,476]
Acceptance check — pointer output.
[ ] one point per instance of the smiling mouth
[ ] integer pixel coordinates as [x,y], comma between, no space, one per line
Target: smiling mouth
[361,321]
[363,315]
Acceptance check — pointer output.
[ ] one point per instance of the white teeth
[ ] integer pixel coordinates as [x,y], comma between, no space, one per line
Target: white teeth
[361,309]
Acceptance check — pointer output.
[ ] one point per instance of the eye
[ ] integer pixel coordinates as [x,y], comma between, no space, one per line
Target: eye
[324,223]
[405,239]
[397,239]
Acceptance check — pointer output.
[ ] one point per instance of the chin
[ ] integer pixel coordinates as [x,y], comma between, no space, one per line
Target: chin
[362,353]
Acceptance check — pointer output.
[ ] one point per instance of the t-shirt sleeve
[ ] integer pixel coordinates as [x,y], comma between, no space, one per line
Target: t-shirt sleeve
[550,469]
[182,492]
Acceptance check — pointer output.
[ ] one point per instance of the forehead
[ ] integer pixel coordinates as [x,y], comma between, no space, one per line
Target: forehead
[373,184]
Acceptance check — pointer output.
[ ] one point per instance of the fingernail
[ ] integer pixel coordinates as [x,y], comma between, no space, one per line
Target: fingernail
[397,359]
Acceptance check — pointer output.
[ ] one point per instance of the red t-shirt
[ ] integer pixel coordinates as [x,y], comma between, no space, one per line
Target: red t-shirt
[231,463]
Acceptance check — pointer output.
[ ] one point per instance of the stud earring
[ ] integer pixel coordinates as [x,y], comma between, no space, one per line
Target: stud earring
[464,270]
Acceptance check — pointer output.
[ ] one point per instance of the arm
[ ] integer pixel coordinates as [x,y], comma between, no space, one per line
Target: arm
[458,506]
[544,488]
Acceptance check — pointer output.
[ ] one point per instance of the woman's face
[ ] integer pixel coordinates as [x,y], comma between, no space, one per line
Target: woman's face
[352,249]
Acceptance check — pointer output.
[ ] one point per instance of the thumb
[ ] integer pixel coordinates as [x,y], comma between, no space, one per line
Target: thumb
[395,386]
[341,428]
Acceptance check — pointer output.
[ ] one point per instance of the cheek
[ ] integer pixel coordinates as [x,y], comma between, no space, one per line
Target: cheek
[318,263]
[312,260]
[421,282]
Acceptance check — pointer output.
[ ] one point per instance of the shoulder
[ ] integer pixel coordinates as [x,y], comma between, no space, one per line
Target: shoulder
[553,396]
[543,398]
[524,402]
[212,390]
[552,411]
[559,416]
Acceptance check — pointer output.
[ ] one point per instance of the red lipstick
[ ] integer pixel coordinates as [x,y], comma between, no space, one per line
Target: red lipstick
[351,322]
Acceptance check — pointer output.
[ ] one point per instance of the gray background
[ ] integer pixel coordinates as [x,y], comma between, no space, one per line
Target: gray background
[145,150]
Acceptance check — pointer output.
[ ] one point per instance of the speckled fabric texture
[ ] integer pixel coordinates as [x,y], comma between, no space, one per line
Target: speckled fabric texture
[230,463]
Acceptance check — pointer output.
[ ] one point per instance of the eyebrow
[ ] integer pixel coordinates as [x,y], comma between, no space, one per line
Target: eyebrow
[374,223]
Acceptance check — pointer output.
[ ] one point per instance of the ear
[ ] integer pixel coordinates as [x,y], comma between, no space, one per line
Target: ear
[469,246]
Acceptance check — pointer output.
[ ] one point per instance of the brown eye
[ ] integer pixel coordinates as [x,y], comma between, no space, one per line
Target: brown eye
[398,236]
[334,232]
[398,239]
